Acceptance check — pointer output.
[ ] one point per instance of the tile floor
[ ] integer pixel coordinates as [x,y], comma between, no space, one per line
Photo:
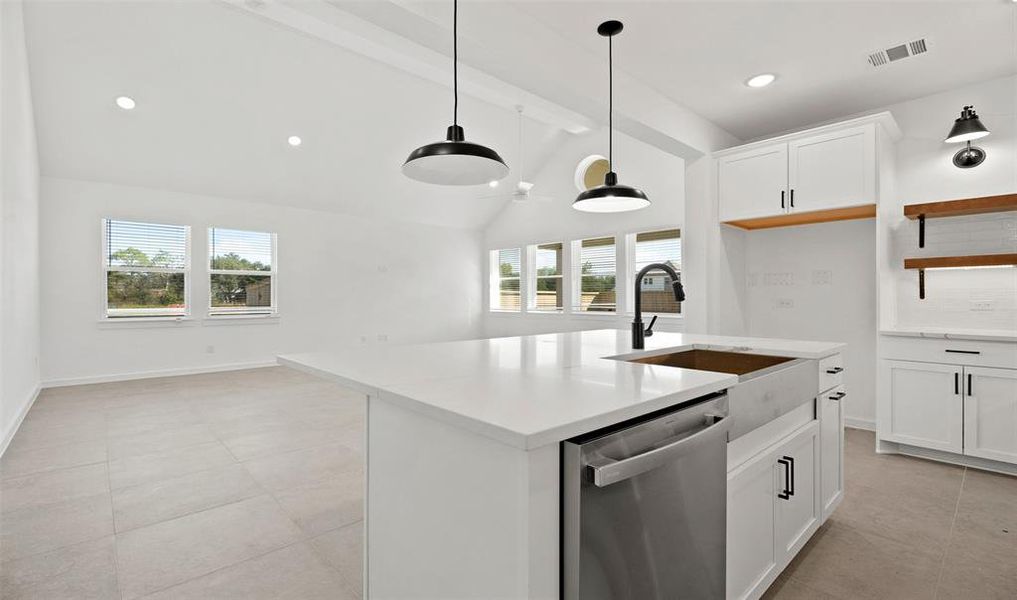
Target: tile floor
[910,529]
[249,485]
[246,484]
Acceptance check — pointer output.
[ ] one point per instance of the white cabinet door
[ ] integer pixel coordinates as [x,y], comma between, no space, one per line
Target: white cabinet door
[831,448]
[797,507]
[924,406]
[990,413]
[833,170]
[751,552]
[753,183]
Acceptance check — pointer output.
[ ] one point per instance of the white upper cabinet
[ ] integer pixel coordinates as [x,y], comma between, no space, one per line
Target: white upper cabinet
[833,170]
[990,413]
[828,173]
[753,184]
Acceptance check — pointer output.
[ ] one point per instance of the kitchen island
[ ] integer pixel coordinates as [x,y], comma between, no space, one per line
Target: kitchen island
[463,449]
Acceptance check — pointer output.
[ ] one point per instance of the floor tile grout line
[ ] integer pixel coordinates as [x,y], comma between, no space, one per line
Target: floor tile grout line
[949,537]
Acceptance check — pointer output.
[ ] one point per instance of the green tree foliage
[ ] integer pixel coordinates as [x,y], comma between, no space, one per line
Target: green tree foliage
[139,289]
[596,283]
[239,290]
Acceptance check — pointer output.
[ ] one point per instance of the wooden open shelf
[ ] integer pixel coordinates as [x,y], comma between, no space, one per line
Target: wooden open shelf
[866,211]
[965,206]
[947,262]
[976,260]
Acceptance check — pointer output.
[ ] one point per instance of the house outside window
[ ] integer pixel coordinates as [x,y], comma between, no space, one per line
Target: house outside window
[656,295]
[146,269]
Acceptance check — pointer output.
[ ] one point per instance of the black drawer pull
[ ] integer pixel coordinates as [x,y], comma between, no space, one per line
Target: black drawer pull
[837,396]
[785,494]
[969,385]
[956,384]
[964,351]
[835,370]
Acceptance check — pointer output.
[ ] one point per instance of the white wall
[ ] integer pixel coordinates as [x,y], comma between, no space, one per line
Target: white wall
[19,230]
[846,309]
[659,174]
[342,280]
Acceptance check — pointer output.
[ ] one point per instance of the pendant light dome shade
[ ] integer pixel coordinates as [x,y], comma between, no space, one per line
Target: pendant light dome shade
[611,197]
[455,162]
[968,127]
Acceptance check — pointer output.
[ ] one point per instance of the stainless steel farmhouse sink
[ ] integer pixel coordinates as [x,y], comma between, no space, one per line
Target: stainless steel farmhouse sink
[768,386]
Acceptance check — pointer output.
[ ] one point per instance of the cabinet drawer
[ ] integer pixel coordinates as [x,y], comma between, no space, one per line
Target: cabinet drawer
[954,352]
[831,372]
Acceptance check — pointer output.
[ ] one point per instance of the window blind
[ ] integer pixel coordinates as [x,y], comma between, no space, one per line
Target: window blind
[548,289]
[509,262]
[145,245]
[597,256]
[597,275]
[659,247]
[236,250]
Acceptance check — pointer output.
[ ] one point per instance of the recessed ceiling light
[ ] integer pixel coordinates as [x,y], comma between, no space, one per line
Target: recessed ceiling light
[493,184]
[294,140]
[126,102]
[761,80]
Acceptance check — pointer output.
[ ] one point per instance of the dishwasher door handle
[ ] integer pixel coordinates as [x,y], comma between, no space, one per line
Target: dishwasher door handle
[605,471]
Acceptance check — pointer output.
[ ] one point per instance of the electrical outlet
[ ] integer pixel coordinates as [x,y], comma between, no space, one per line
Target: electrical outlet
[383,268]
[981,306]
[752,280]
[823,277]
[363,339]
[778,279]
[785,303]
[382,337]
[209,349]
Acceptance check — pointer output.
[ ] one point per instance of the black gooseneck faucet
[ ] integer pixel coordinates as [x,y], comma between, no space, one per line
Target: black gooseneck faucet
[638,333]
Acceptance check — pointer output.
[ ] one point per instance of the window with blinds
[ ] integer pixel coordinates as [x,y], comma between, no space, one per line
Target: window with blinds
[242,272]
[547,278]
[655,290]
[506,296]
[596,272]
[146,267]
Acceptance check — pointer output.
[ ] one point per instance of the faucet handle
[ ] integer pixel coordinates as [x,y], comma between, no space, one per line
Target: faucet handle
[649,328]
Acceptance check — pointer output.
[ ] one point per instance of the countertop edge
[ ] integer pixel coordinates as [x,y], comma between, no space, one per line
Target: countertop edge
[945,335]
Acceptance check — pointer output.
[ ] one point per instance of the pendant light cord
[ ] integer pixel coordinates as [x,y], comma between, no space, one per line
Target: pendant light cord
[455,62]
[610,103]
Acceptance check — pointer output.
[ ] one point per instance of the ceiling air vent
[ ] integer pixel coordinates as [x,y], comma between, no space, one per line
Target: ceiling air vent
[898,52]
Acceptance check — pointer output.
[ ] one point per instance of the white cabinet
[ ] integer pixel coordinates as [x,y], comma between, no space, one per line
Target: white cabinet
[753,184]
[829,168]
[773,509]
[924,405]
[990,413]
[831,450]
[833,170]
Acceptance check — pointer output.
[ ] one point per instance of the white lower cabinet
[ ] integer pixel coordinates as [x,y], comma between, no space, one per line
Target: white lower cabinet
[831,450]
[990,413]
[963,409]
[773,509]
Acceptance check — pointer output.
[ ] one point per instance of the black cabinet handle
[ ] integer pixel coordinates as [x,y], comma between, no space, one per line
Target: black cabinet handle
[786,493]
[956,384]
[969,384]
[792,197]
[782,198]
[837,396]
[835,370]
[792,461]
[963,351]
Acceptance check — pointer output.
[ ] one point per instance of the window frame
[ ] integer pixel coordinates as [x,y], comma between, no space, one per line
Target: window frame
[146,314]
[630,243]
[577,277]
[494,267]
[533,278]
[219,312]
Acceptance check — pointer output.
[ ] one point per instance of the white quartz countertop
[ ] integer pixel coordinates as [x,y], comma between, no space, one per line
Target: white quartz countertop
[534,390]
[987,335]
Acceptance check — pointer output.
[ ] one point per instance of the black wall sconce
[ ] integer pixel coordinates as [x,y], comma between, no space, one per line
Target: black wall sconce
[968,127]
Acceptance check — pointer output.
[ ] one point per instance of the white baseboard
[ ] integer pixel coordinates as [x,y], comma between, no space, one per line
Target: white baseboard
[9,435]
[865,424]
[52,383]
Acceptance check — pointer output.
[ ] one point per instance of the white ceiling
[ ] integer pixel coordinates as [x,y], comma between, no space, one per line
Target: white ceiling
[220,85]
[219,90]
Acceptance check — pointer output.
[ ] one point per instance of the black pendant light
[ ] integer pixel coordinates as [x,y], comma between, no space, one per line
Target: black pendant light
[968,127]
[455,161]
[612,196]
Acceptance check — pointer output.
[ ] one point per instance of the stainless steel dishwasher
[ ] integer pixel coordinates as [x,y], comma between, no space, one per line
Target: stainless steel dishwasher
[644,507]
